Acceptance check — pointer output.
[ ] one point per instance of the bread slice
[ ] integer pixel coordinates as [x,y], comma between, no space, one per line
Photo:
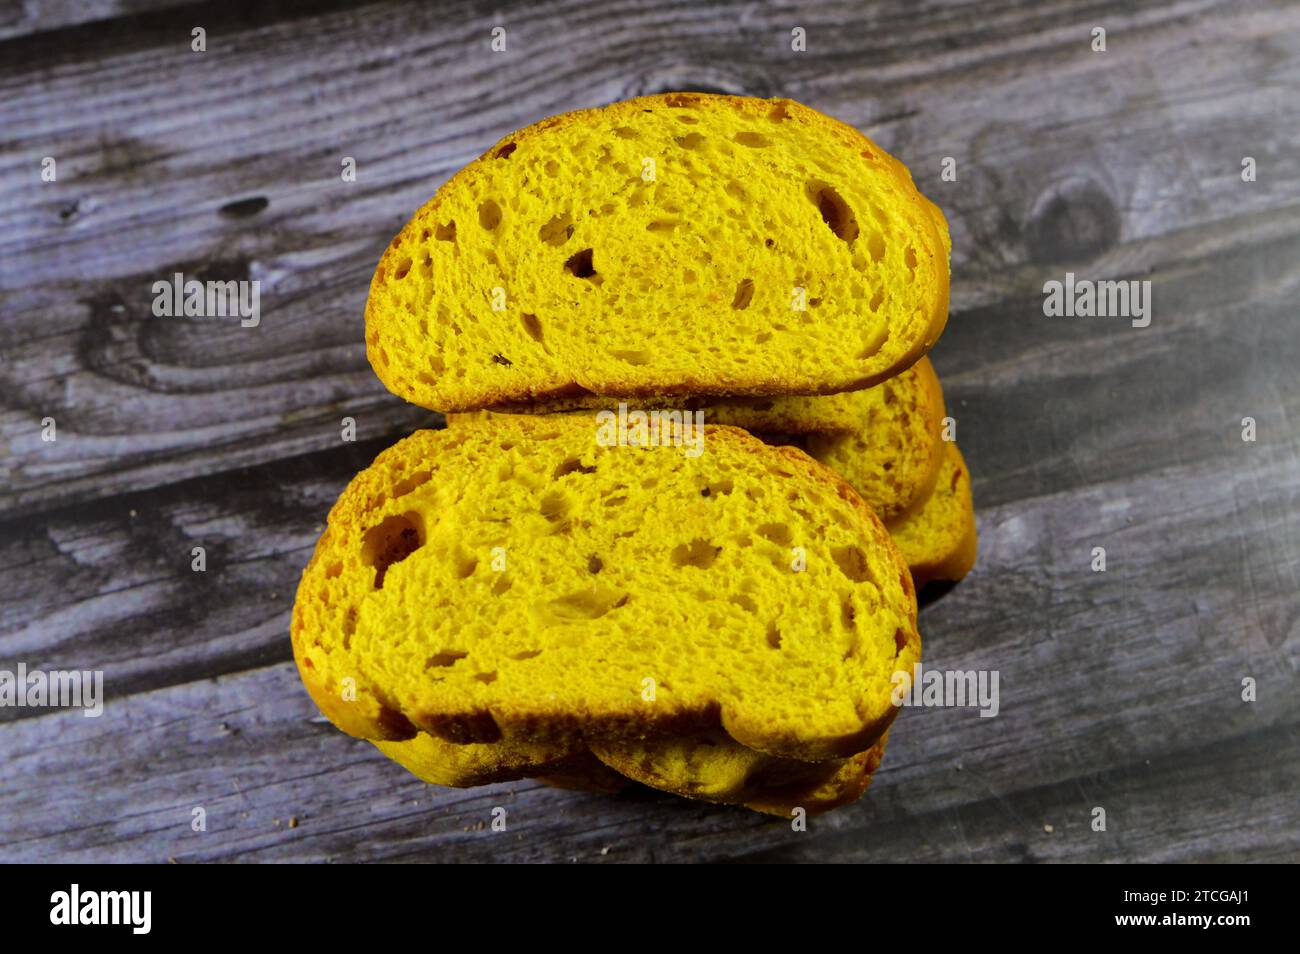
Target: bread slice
[893,457]
[939,540]
[716,769]
[465,766]
[646,593]
[886,441]
[679,244]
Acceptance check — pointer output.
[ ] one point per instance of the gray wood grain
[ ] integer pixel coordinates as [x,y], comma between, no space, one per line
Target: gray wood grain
[1120,690]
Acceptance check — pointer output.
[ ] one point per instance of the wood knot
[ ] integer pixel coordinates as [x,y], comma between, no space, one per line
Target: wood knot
[1072,220]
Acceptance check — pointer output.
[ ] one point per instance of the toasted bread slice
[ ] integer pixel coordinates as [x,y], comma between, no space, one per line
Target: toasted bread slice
[939,539]
[679,244]
[644,593]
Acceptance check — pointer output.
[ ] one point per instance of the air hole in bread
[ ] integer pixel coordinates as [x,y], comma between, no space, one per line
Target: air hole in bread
[623,132]
[554,506]
[333,570]
[876,246]
[744,294]
[591,603]
[552,168]
[557,231]
[847,615]
[689,120]
[877,298]
[778,113]
[662,225]
[734,188]
[773,635]
[632,357]
[505,151]
[720,488]
[441,660]
[752,139]
[527,654]
[489,215]
[403,267]
[594,564]
[571,465]
[745,602]
[487,678]
[581,265]
[909,259]
[835,212]
[690,141]
[689,277]
[393,540]
[699,553]
[445,233]
[900,640]
[778,533]
[852,562]
[502,585]
[465,566]
[409,483]
[502,360]
[532,327]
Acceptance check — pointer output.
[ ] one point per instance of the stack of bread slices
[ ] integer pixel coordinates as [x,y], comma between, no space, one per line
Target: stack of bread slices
[574,581]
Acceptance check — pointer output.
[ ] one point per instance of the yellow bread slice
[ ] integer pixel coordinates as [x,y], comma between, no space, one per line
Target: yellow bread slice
[889,443]
[709,766]
[893,457]
[845,786]
[645,593]
[939,540]
[465,766]
[678,244]
[719,770]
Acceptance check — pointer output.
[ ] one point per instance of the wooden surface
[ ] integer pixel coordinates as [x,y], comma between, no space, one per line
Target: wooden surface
[1119,690]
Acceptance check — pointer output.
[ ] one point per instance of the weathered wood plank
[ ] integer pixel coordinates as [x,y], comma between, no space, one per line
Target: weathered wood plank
[1058,142]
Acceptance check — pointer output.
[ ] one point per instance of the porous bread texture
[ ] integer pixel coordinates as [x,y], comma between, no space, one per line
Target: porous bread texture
[662,246]
[939,539]
[623,565]
[887,440]
[841,413]
[893,456]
